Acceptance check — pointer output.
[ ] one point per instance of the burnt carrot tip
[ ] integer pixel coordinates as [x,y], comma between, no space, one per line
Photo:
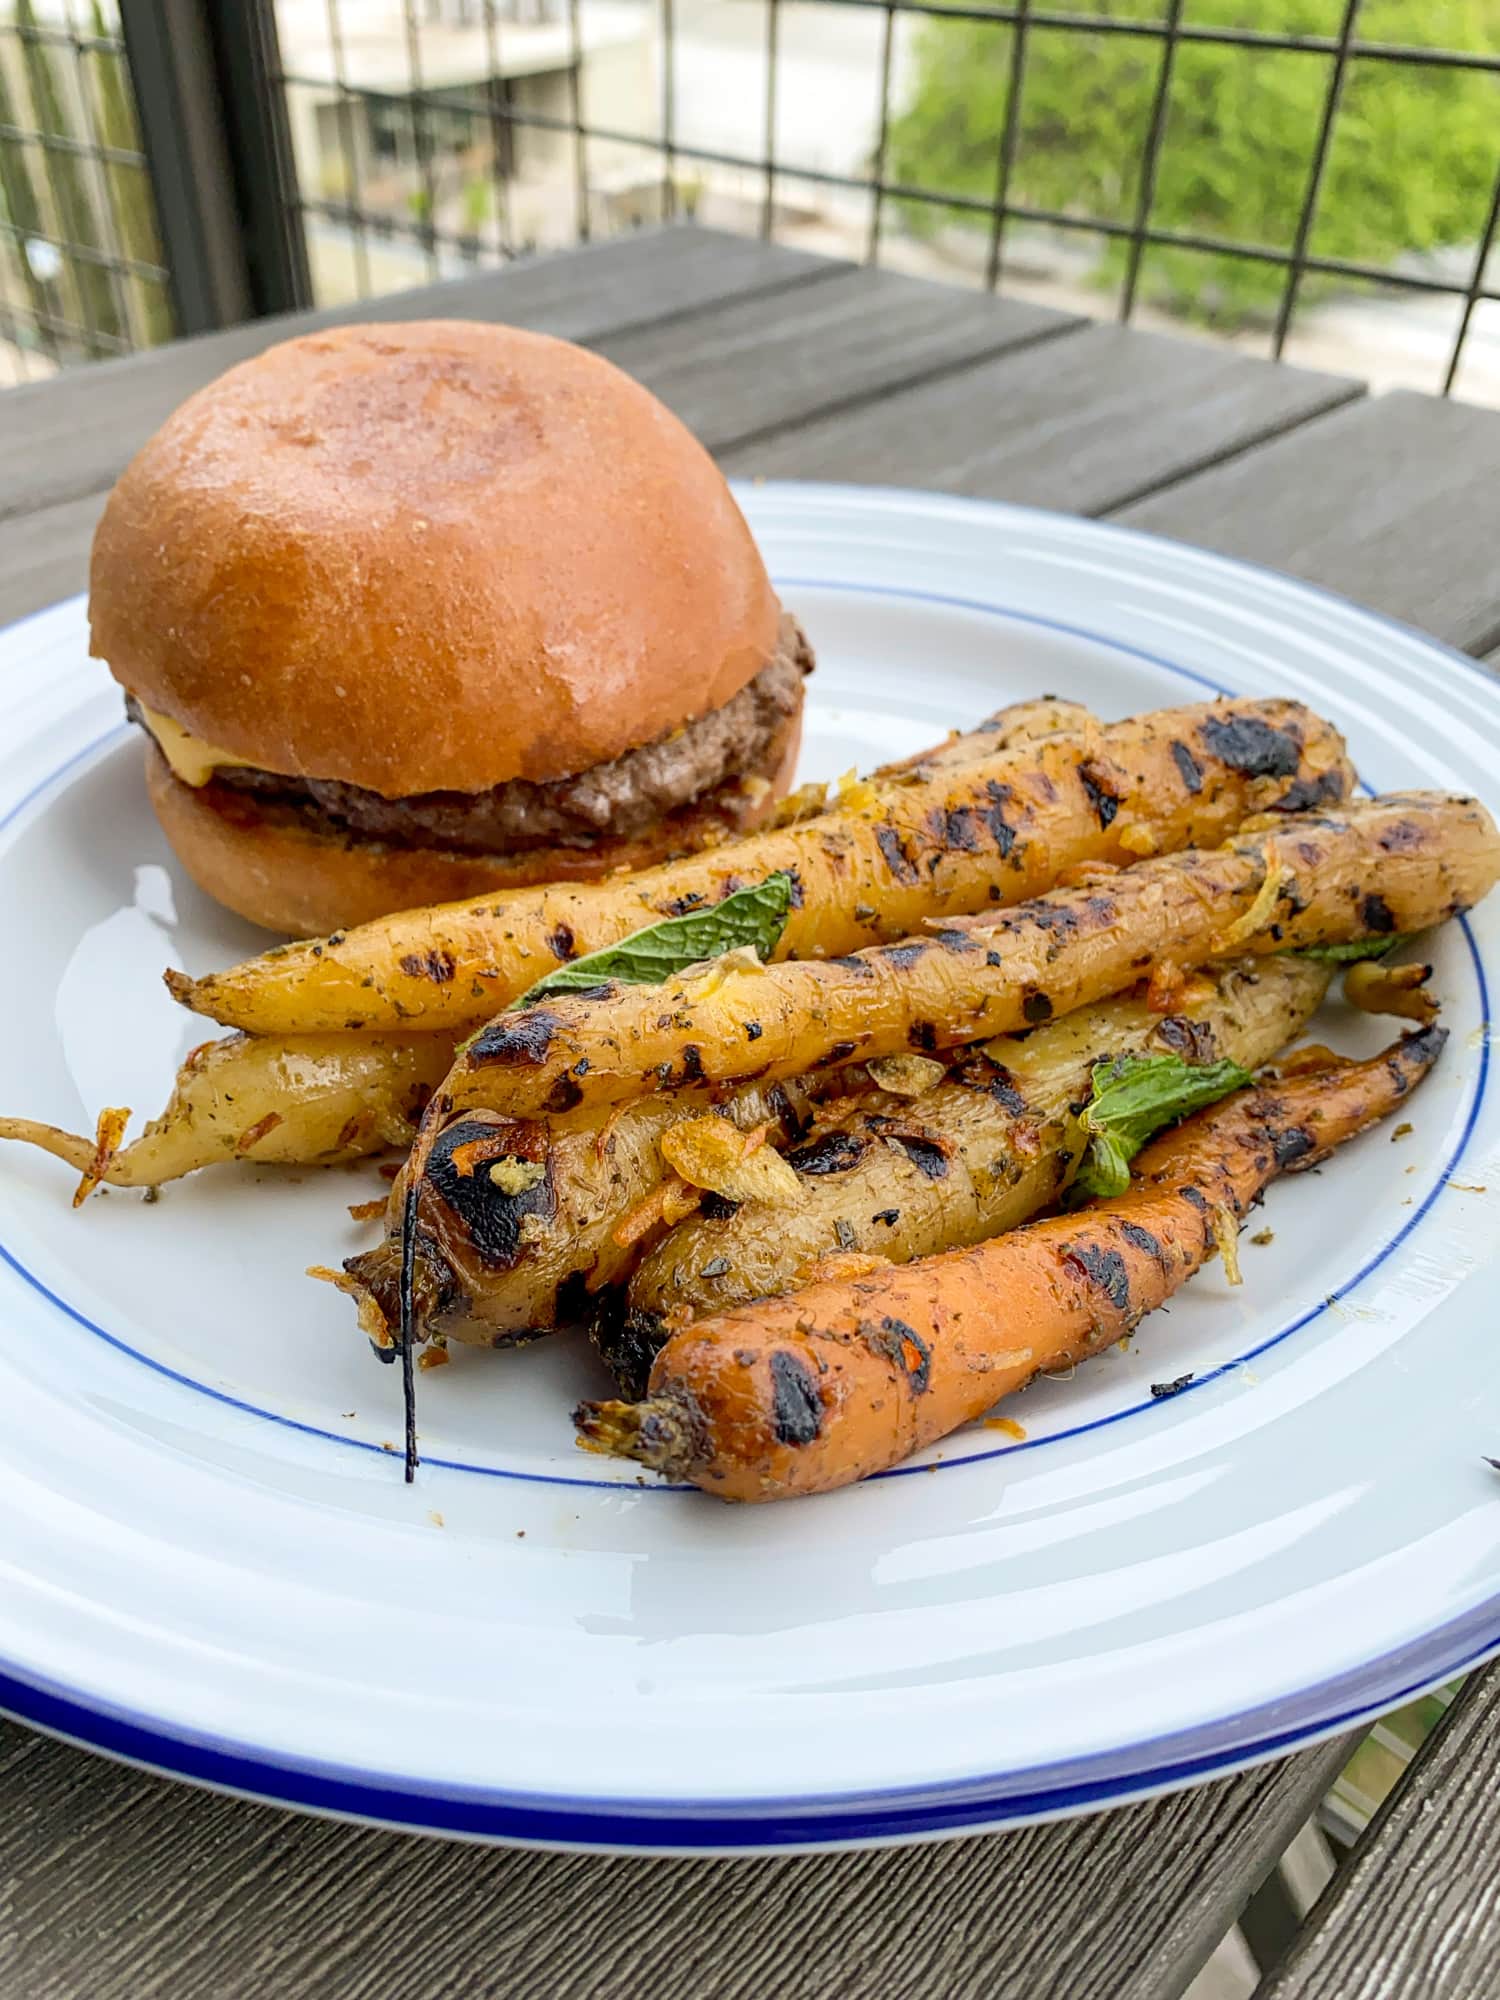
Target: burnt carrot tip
[1423,1048]
[653,1433]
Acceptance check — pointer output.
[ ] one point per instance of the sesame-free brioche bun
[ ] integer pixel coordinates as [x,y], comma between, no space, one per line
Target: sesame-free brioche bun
[426,557]
[291,877]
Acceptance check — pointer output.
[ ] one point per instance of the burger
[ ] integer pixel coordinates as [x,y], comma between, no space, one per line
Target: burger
[415,612]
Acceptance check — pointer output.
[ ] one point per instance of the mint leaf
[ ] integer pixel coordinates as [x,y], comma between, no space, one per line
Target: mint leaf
[755,916]
[1106,1166]
[1351,952]
[1134,1096]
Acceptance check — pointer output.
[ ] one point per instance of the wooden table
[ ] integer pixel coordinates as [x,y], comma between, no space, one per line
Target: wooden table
[115,1885]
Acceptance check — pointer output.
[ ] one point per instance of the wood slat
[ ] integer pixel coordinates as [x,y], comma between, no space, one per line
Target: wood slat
[65,439]
[826,333]
[45,556]
[1086,424]
[1414,1914]
[1392,501]
[744,370]
[124,1887]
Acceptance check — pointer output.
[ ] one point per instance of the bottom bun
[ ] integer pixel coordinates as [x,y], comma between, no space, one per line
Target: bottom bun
[287,875]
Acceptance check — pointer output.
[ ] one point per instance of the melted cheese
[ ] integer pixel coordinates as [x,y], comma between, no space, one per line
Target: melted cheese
[191,759]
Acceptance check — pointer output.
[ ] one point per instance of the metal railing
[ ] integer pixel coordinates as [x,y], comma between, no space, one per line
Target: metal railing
[416,172]
[81,270]
[1013,31]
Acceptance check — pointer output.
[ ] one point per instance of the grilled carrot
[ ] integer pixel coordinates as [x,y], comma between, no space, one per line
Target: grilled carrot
[821,1388]
[517,1222]
[1009,727]
[275,1101]
[519,1225]
[1399,863]
[980,1152]
[881,860]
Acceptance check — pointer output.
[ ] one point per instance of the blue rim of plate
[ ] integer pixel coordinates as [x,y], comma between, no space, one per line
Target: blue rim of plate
[965,1804]
[678,1826]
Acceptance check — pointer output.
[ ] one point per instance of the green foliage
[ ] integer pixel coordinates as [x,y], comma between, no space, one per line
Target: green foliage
[1411,165]
[18,198]
[129,187]
[478,199]
[76,219]
[17,191]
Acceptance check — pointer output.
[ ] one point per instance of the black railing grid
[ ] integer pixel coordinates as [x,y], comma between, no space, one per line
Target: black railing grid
[413,162]
[489,114]
[81,267]
[496,111]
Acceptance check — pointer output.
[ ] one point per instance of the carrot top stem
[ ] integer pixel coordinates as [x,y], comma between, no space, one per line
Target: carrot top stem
[655,1433]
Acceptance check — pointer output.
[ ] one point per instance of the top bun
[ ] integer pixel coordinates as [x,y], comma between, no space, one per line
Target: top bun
[427,557]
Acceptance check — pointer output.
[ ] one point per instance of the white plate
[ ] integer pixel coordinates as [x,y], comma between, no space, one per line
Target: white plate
[210,1562]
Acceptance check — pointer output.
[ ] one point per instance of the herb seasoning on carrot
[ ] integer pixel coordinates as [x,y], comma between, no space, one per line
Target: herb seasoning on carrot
[825,1386]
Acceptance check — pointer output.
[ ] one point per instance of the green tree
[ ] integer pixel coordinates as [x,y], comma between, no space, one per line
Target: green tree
[478,199]
[18,198]
[129,187]
[77,221]
[1414,154]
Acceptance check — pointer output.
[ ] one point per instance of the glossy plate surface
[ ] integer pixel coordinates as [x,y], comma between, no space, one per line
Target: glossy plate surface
[210,1562]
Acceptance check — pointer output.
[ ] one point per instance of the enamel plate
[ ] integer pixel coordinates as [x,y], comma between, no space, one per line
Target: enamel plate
[210,1563]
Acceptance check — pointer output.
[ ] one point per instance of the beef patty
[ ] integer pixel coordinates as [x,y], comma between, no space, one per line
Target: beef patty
[626,796]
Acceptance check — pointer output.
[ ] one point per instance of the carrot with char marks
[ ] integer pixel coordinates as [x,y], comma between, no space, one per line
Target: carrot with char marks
[516,1222]
[981,1152]
[1007,728]
[1387,865]
[1018,722]
[801,1394]
[885,856]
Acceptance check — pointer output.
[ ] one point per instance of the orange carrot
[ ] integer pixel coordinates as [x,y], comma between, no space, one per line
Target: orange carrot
[825,1386]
